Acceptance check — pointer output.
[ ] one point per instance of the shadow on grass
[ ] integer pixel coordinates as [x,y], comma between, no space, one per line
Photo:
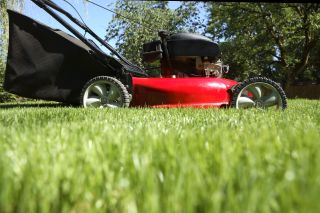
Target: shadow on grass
[38,105]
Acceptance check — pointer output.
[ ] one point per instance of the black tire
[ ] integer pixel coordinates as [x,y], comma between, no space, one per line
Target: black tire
[239,89]
[123,99]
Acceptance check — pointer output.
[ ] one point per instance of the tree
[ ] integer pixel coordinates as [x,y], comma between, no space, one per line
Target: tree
[4,4]
[17,4]
[273,39]
[143,21]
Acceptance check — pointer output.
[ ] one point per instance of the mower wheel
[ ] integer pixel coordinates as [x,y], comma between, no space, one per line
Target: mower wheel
[258,92]
[104,92]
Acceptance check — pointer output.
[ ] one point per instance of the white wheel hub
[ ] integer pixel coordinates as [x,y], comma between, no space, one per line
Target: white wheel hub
[259,95]
[103,93]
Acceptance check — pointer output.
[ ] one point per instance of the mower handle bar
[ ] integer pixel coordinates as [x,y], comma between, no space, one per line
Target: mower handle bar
[45,4]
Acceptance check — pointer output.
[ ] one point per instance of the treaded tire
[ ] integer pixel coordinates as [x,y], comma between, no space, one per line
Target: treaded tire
[243,85]
[124,94]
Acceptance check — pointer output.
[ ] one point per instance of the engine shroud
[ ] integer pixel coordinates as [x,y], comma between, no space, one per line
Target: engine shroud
[182,53]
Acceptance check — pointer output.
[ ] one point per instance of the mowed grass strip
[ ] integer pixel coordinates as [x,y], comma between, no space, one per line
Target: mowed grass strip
[63,159]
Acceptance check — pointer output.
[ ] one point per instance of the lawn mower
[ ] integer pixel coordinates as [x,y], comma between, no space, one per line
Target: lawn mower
[49,64]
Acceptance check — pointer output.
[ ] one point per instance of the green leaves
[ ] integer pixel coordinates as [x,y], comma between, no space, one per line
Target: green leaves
[144,20]
[4,5]
[264,38]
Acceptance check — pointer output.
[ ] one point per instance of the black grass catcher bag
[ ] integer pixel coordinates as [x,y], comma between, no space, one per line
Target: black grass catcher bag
[44,63]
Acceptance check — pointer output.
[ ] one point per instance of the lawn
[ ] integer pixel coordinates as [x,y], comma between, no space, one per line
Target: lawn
[62,159]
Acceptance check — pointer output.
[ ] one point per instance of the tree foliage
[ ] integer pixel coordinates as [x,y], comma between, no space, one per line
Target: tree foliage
[4,5]
[273,39]
[143,21]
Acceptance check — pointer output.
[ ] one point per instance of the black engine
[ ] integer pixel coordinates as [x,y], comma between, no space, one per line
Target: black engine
[185,54]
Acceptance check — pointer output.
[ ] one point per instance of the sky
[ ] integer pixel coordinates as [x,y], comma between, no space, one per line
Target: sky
[95,17]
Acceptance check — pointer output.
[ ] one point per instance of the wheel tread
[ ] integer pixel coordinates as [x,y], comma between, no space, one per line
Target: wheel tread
[237,89]
[124,92]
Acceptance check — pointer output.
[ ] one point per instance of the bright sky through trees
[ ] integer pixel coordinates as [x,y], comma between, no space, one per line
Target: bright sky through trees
[96,18]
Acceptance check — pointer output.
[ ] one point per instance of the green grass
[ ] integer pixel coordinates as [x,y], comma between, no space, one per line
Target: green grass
[62,159]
